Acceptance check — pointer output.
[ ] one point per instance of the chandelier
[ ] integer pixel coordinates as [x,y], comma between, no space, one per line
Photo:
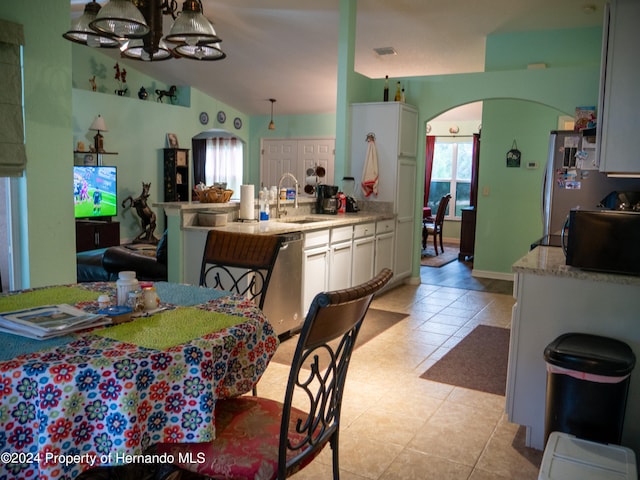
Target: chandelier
[136,27]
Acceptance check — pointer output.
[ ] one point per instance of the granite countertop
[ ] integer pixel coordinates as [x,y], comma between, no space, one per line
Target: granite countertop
[287,225]
[551,261]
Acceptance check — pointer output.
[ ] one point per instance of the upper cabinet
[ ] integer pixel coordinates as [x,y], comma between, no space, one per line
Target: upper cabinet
[619,97]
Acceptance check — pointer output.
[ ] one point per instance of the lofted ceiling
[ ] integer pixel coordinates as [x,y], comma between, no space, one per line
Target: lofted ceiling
[288,49]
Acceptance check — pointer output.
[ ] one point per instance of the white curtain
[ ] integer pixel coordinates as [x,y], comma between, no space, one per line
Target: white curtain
[224,163]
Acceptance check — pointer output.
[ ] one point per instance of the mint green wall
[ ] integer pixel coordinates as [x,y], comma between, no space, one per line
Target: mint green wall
[509,217]
[48,235]
[555,48]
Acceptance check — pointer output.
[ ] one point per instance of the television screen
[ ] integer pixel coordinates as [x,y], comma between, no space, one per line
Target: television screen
[94,191]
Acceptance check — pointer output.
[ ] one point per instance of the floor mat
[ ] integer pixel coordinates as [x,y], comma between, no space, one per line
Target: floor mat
[376,322]
[478,362]
[430,259]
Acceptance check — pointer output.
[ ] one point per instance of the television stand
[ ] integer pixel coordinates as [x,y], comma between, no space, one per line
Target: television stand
[93,234]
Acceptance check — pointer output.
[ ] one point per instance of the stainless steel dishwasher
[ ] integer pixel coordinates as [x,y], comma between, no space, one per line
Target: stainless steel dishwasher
[283,303]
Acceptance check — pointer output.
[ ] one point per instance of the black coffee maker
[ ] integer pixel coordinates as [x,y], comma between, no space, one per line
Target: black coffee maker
[326,200]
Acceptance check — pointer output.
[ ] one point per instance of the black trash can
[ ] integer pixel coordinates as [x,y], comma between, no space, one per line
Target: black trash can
[587,383]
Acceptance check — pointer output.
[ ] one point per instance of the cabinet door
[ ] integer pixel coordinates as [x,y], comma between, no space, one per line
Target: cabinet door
[408,132]
[363,260]
[619,97]
[316,263]
[340,268]
[404,249]
[384,252]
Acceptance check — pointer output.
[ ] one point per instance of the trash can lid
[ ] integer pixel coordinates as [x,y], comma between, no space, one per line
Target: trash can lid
[591,354]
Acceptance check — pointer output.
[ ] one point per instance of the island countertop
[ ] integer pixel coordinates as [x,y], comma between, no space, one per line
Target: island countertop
[551,261]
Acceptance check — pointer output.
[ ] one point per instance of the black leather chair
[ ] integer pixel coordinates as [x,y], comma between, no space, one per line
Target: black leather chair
[102,265]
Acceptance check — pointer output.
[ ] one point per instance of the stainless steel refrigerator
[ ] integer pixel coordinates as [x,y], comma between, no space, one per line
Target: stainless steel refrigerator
[572,180]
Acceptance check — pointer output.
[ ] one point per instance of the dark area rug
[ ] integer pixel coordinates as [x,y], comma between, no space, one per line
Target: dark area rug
[430,259]
[478,362]
[376,322]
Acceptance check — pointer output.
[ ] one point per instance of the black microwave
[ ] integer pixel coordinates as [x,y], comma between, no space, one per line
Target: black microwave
[604,241]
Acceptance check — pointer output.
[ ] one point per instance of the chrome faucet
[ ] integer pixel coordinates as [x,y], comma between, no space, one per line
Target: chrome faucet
[295,202]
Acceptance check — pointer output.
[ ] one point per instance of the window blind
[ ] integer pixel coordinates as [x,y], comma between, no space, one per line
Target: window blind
[13,156]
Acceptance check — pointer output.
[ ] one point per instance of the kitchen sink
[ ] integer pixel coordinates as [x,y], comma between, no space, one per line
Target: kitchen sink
[300,220]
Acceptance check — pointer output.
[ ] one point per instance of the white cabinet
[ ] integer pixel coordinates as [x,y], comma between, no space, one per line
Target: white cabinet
[385,230]
[315,269]
[395,126]
[364,247]
[341,248]
[619,99]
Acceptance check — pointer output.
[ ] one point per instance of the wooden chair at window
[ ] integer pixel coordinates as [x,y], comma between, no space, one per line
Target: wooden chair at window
[259,438]
[435,228]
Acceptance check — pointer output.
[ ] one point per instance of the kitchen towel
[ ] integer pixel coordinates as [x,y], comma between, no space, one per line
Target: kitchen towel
[247,202]
[370,174]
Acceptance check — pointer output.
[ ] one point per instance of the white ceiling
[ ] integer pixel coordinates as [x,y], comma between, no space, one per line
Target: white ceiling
[288,49]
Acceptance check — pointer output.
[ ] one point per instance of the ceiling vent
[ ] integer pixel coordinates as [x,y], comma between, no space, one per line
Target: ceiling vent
[385,51]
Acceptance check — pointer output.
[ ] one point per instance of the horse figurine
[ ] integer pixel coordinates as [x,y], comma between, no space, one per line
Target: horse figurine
[171,93]
[147,216]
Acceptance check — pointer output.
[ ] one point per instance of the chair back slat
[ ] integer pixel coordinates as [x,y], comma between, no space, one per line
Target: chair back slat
[442,209]
[239,262]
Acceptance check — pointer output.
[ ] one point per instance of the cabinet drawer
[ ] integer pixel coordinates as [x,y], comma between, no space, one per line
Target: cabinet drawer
[385,226]
[316,238]
[341,234]
[364,230]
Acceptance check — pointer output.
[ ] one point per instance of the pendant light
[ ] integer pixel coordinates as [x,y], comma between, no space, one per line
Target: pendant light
[272,126]
[136,27]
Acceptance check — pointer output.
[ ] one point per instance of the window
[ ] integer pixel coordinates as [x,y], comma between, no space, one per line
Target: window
[223,163]
[451,173]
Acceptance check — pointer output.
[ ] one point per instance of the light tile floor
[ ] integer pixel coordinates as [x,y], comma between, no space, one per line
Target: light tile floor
[398,426]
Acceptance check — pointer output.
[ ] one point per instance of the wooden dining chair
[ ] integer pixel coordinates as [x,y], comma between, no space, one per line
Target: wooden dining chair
[240,263]
[259,438]
[435,228]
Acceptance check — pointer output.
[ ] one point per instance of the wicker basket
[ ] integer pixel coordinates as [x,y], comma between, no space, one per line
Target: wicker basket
[214,195]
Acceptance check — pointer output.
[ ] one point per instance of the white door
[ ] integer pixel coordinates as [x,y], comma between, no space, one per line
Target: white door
[297,155]
[313,153]
[278,157]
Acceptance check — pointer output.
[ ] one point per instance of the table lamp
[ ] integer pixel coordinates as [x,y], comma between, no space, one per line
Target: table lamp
[99,126]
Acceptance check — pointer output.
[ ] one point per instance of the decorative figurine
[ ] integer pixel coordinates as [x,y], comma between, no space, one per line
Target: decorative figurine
[121,76]
[147,216]
[171,93]
[92,81]
[142,93]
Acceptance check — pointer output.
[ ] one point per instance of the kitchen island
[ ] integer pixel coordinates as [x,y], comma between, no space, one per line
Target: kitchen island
[551,299]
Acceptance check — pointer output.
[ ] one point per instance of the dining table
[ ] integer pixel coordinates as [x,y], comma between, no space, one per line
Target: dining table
[103,396]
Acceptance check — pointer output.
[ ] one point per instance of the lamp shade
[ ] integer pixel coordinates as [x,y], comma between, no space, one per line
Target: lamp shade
[81,33]
[120,18]
[99,125]
[192,27]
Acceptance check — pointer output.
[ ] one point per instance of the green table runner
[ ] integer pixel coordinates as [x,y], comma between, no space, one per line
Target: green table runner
[170,328]
[47,296]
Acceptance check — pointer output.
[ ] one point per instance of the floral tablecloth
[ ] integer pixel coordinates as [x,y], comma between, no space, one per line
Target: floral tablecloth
[93,400]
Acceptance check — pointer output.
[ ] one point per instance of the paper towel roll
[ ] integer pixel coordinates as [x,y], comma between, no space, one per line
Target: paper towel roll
[247,202]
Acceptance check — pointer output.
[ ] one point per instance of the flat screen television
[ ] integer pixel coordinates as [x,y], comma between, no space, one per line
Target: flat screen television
[95,193]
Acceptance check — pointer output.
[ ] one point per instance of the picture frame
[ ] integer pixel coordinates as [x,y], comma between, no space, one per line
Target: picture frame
[172,140]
